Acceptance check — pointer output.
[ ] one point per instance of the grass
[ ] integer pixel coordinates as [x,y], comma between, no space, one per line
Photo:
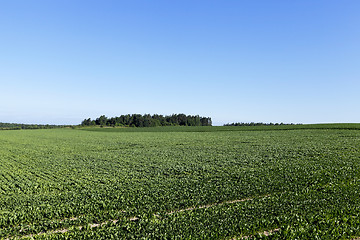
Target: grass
[350,126]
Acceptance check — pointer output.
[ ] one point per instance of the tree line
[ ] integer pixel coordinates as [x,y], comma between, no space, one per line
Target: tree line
[147,120]
[19,126]
[257,124]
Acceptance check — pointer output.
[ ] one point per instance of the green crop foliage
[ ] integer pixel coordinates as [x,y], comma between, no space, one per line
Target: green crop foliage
[294,181]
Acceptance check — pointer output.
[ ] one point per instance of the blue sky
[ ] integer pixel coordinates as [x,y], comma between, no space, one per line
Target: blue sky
[235,61]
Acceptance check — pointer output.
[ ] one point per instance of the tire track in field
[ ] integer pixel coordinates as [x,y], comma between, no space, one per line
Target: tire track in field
[134,218]
[214,204]
[264,233]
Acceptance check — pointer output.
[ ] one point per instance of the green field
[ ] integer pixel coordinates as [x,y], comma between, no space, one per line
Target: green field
[288,182]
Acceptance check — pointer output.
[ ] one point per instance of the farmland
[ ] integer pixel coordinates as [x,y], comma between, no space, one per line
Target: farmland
[287,182]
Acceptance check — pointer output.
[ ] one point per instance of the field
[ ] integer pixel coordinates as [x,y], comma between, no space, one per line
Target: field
[278,182]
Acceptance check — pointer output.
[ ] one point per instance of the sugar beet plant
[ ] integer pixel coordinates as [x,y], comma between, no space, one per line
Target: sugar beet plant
[190,183]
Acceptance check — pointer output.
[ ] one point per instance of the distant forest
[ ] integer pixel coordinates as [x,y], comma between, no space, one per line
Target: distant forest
[257,124]
[18,126]
[147,120]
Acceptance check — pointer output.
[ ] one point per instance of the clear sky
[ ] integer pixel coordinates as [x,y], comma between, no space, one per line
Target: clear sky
[236,61]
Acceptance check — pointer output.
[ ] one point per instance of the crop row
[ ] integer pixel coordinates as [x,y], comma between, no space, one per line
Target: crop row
[63,178]
[329,212]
